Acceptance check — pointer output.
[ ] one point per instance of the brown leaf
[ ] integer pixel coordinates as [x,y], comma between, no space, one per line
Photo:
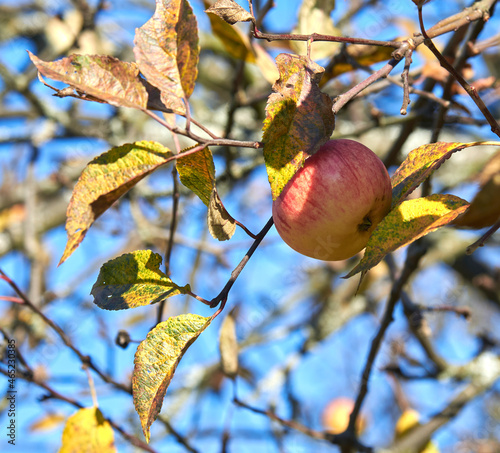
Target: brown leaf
[220,223]
[103,77]
[228,346]
[167,52]
[484,209]
[230,11]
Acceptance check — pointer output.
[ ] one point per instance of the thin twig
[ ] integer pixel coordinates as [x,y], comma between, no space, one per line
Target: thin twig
[237,271]
[471,91]
[480,242]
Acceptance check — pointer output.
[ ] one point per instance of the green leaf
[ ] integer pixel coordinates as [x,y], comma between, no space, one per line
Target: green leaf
[87,431]
[102,77]
[167,51]
[299,119]
[156,360]
[421,163]
[409,221]
[133,280]
[104,180]
[197,173]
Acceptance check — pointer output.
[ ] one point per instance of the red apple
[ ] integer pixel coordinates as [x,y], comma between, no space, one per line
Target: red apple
[333,203]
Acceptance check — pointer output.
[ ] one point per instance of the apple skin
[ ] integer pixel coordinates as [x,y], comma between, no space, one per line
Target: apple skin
[330,207]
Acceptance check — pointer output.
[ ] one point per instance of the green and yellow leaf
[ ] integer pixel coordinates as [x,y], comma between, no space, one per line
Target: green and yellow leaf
[156,360]
[299,119]
[133,280]
[167,52]
[197,173]
[100,76]
[409,221]
[87,431]
[421,163]
[105,180]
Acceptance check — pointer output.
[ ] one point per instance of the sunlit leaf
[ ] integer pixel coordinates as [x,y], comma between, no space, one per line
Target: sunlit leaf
[133,280]
[220,223]
[104,180]
[156,360]
[315,17]
[103,77]
[406,223]
[197,173]
[229,11]
[87,431]
[299,119]
[167,51]
[421,163]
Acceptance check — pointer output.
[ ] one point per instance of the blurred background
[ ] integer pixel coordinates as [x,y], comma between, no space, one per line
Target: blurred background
[303,331]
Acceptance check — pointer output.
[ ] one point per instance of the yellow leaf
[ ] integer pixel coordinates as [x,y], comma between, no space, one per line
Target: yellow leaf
[47,422]
[87,432]
[156,360]
[421,163]
[104,180]
[406,223]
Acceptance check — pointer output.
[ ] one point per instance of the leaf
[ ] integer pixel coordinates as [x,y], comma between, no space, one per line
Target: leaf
[265,63]
[299,119]
[220,223]
[103,77]
[230,11]
[47,422]
[484,209]
[314,17]
[363,55]
[228,346]
[87,431]
[235,42]
[104,180]
[133,280]
[167,51]
[409,221]
[197,173]
[421,163]
[156,360]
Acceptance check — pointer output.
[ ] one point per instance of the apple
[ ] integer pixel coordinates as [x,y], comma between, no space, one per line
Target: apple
[336,416]
[330,207]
